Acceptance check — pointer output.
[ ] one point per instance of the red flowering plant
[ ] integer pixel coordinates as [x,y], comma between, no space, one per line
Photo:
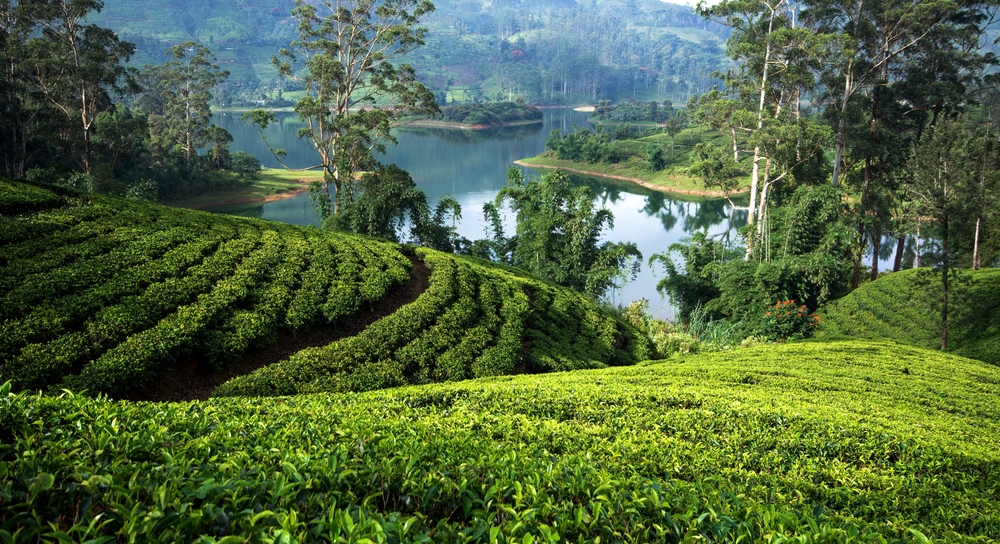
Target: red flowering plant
[786,320]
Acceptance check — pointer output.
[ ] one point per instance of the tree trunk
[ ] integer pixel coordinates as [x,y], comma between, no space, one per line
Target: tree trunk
[900,246]
[944,284]
[976,259]
[856,277]
[916,258]
[842,130]
[876,249]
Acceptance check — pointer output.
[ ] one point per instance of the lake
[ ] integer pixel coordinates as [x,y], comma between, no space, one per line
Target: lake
[471,167]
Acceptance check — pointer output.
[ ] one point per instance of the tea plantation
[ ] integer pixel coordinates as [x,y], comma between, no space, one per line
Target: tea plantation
[902,306]
[104,295]
[812,442]
[379,435]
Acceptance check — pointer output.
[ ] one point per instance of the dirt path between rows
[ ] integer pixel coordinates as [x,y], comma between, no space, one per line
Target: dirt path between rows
[193,379]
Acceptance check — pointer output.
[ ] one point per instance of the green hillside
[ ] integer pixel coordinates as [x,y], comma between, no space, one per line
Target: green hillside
[902,307]
[112,296]
[811,442]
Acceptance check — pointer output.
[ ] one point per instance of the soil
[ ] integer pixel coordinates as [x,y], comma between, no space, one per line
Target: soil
[252,200]
[192,378]
[644,183]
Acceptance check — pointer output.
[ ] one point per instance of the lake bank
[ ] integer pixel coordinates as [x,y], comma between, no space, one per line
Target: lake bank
[430,123]
[662,181]
[272,184]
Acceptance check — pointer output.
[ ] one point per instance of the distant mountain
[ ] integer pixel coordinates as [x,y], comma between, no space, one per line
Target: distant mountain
[545,51]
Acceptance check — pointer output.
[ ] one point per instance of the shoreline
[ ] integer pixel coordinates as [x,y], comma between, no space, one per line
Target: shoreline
[272,186]
[429,123]
[637,181]
[250,200]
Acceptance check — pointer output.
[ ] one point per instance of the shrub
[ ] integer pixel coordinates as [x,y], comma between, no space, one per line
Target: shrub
[787,321]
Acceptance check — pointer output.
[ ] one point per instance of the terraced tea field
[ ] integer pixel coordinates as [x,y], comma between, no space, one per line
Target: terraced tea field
[110,297]
[342,409]
[903,308]
[813,442]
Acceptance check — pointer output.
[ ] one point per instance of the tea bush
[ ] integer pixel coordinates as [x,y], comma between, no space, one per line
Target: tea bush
[900,307]
[474,320]
[103,295]
[835,442]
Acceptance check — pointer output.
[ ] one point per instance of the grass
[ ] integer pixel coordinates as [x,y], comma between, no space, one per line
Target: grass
[674,179]
[832,442]
[271,184]
[900,307]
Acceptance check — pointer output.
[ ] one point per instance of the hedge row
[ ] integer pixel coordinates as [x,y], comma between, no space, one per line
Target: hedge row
[103,294]
[473,321]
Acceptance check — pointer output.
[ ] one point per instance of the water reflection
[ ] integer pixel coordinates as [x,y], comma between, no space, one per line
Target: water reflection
[471,166]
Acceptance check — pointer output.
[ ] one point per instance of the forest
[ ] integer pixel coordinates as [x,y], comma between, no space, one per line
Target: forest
[375,370]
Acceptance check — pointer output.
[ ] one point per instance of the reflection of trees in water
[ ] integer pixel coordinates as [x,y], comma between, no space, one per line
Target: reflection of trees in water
[462,136]
[698,213]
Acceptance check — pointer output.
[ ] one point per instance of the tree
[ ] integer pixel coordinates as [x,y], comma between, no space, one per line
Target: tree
[354,92]
[18,111]
[876,38]
[220,139]
[761,106]
[944,175]
[558,234]
[387,200]
[79,67]
[183,88]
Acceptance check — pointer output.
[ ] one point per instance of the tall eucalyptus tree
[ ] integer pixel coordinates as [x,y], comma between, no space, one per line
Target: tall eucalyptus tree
[347,58]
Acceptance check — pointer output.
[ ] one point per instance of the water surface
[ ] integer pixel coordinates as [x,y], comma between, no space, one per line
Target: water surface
[471,167]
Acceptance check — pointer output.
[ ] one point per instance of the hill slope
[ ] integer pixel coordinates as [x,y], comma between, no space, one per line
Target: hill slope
[901,307]
[108,295]
[817,442]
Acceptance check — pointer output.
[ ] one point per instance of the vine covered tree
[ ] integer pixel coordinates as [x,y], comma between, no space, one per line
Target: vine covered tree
[347,59]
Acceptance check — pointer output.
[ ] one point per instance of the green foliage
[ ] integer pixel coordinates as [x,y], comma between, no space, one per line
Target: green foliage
[802,256]
[490,114]
[104,295]
[475,320]
[632,111]
[558,235]
[387,199]
[246,166]
[845,442]
[787,321]
[903,307]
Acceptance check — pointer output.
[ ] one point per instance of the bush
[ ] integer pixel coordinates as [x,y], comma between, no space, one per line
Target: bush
[787,321]
[246,167]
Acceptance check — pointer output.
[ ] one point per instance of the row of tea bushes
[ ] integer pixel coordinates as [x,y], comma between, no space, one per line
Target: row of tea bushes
[107,294]
[475,320]
[103,294]
[904,306]
[845,442]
